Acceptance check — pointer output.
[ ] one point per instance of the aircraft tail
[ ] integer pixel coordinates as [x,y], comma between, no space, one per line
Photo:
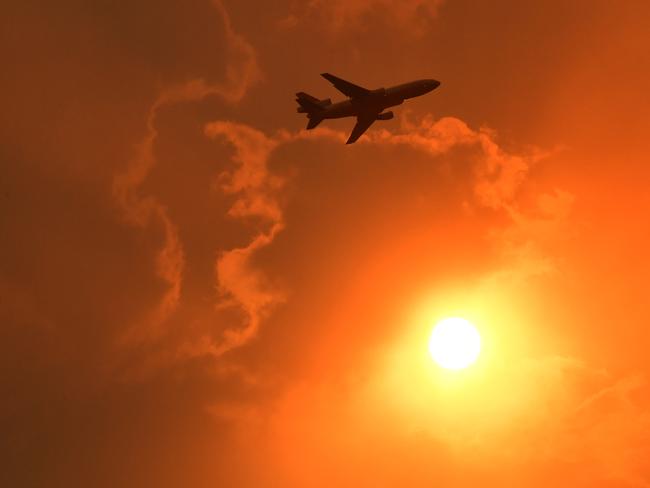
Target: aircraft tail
[310,105]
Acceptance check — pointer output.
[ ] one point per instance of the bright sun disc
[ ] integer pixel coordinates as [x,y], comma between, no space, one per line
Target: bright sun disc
[455,343]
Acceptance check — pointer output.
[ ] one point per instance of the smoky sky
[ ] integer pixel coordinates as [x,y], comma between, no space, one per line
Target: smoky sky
[194,291]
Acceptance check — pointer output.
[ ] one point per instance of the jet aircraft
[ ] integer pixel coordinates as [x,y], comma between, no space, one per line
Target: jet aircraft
[364,104]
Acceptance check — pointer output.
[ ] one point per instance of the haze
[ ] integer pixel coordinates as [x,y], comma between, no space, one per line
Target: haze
[197,292]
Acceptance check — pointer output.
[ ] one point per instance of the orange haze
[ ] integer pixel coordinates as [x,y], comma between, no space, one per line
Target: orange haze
[196,292]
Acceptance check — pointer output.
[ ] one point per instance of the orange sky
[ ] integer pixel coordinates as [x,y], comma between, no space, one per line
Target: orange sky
[195,292]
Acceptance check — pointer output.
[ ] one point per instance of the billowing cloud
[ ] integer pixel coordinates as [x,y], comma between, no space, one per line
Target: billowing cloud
[498,173]
[255,190]
[142,211]
[497,178]
[510,427]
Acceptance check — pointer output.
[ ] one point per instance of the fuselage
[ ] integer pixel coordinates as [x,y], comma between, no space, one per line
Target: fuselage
[378,100]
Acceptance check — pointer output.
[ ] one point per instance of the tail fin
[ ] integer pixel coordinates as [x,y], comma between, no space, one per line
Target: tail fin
[309,104]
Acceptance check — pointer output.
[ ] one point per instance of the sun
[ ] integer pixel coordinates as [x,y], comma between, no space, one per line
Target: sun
[455,343]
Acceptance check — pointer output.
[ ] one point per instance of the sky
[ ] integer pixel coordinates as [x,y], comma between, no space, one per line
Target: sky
[197,292]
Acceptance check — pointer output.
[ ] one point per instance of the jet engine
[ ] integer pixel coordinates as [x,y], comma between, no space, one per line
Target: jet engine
[385,116]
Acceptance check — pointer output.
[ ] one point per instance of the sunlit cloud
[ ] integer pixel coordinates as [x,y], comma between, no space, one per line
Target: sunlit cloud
[497,175]
[146,210]
[255,190]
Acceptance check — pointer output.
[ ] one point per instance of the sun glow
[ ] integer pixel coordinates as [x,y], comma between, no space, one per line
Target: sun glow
[455,343]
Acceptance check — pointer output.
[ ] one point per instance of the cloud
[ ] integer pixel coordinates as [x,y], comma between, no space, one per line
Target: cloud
[498,174]
[496,178]
[498,184]
[528,416]
[255,190]
[144,211]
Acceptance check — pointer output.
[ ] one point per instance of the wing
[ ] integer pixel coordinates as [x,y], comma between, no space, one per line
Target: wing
[362,125]
[345,87]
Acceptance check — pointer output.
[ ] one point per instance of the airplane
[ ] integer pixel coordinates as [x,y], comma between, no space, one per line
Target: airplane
[366,105]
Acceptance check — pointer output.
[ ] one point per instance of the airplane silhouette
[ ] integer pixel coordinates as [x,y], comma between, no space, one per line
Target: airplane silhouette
[366,105]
